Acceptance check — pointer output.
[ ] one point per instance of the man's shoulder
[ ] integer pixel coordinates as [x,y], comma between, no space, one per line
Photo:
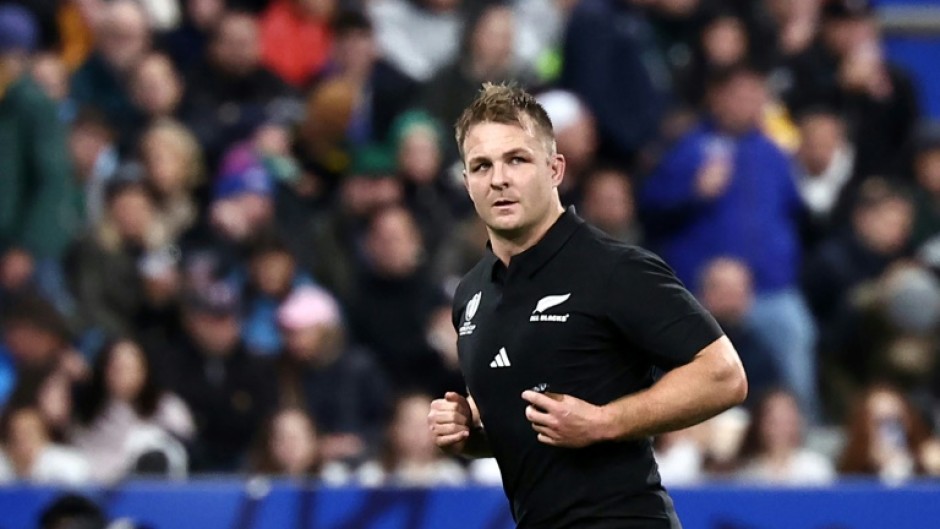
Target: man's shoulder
[604,248]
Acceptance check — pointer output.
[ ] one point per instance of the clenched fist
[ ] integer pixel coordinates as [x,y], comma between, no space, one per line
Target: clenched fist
[450,420]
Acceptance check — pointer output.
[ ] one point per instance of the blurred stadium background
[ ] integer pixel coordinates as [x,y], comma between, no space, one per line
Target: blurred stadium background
[230,229]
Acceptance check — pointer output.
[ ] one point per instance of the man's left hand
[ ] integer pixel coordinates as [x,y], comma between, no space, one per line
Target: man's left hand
[563,420]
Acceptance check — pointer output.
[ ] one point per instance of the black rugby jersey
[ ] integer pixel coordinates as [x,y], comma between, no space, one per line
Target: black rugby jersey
[581,314]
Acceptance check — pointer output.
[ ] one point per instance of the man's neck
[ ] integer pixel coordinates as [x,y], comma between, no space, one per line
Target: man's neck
[506,246]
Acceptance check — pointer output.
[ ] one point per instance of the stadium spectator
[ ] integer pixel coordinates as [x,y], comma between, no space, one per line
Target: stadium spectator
[392,310]
[30,455]
[231,93]
[847,67]
[370,185]
[125,417]
[486,55]
[881,221]
[103,265]
[418,37]
[173,170]
[612,62]
[122,39]
[723,41]
[321,370]
[726,290]
[410,456]
[385,92]
[273,275]
[157,324]
[50,73]
[607,202]
[288,446]
[34,337]
[726,190]
[885,437]
[35,192]
[888,334]
[296,38]
[72,510]
[240,213]
[95,160]
[17,276]
[826,174]
[773,452]
[156,91]
[49,391]
[431,193]
[228,391]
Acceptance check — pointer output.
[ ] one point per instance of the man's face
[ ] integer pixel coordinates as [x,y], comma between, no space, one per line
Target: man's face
[823,135]
[235,48]
[124,35]
[511,176]
[156,89]
[215,334]
[394,244]
[738,103]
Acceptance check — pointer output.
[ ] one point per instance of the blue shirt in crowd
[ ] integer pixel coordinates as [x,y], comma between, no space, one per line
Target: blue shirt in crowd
[754,219]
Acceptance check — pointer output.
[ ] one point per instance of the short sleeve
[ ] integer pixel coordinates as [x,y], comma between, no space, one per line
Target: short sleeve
[651,307]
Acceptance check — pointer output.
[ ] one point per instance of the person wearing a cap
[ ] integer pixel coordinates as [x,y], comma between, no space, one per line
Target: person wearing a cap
[229,391]
[322,371]
[430,192]
[370,185]
[240,212]
[35,175]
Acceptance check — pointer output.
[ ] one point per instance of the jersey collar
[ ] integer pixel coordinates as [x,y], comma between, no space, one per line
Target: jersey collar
[533,259]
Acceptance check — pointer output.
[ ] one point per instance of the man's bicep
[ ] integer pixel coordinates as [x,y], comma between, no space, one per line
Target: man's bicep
[657,313]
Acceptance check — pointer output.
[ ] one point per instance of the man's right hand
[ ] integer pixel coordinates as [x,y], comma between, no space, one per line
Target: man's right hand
[450,420]
[713,178]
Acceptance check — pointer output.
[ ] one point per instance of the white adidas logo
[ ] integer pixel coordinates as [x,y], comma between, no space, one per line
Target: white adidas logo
[501,360]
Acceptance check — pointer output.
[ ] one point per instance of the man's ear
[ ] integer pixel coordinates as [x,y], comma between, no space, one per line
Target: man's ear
[558,165]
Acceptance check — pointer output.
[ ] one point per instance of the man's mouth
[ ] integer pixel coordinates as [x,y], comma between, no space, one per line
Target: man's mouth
[504,202]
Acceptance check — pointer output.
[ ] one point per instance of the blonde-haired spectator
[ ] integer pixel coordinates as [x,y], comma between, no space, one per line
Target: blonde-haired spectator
[173,164]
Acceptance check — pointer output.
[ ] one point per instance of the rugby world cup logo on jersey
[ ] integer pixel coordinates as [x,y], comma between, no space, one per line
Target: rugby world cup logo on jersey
[550,302]
[466,328]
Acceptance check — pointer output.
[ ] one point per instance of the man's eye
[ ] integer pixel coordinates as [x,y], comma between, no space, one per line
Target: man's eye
[479,167]
[516,160]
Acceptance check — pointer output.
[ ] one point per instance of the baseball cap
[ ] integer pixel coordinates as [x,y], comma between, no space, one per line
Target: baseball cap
[308,306]
[219,298]
[411,120]
[18,30]
[846,9]
[242,172]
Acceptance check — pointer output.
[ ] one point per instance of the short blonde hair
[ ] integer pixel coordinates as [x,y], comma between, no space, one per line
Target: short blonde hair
[185,142]
[507,104]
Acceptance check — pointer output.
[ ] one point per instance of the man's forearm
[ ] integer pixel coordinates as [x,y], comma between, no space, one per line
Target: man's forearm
[713,382]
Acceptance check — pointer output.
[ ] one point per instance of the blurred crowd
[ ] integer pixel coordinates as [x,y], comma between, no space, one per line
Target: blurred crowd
[230,229]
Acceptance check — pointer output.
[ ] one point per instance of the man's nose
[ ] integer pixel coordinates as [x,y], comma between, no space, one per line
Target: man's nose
[499,179]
